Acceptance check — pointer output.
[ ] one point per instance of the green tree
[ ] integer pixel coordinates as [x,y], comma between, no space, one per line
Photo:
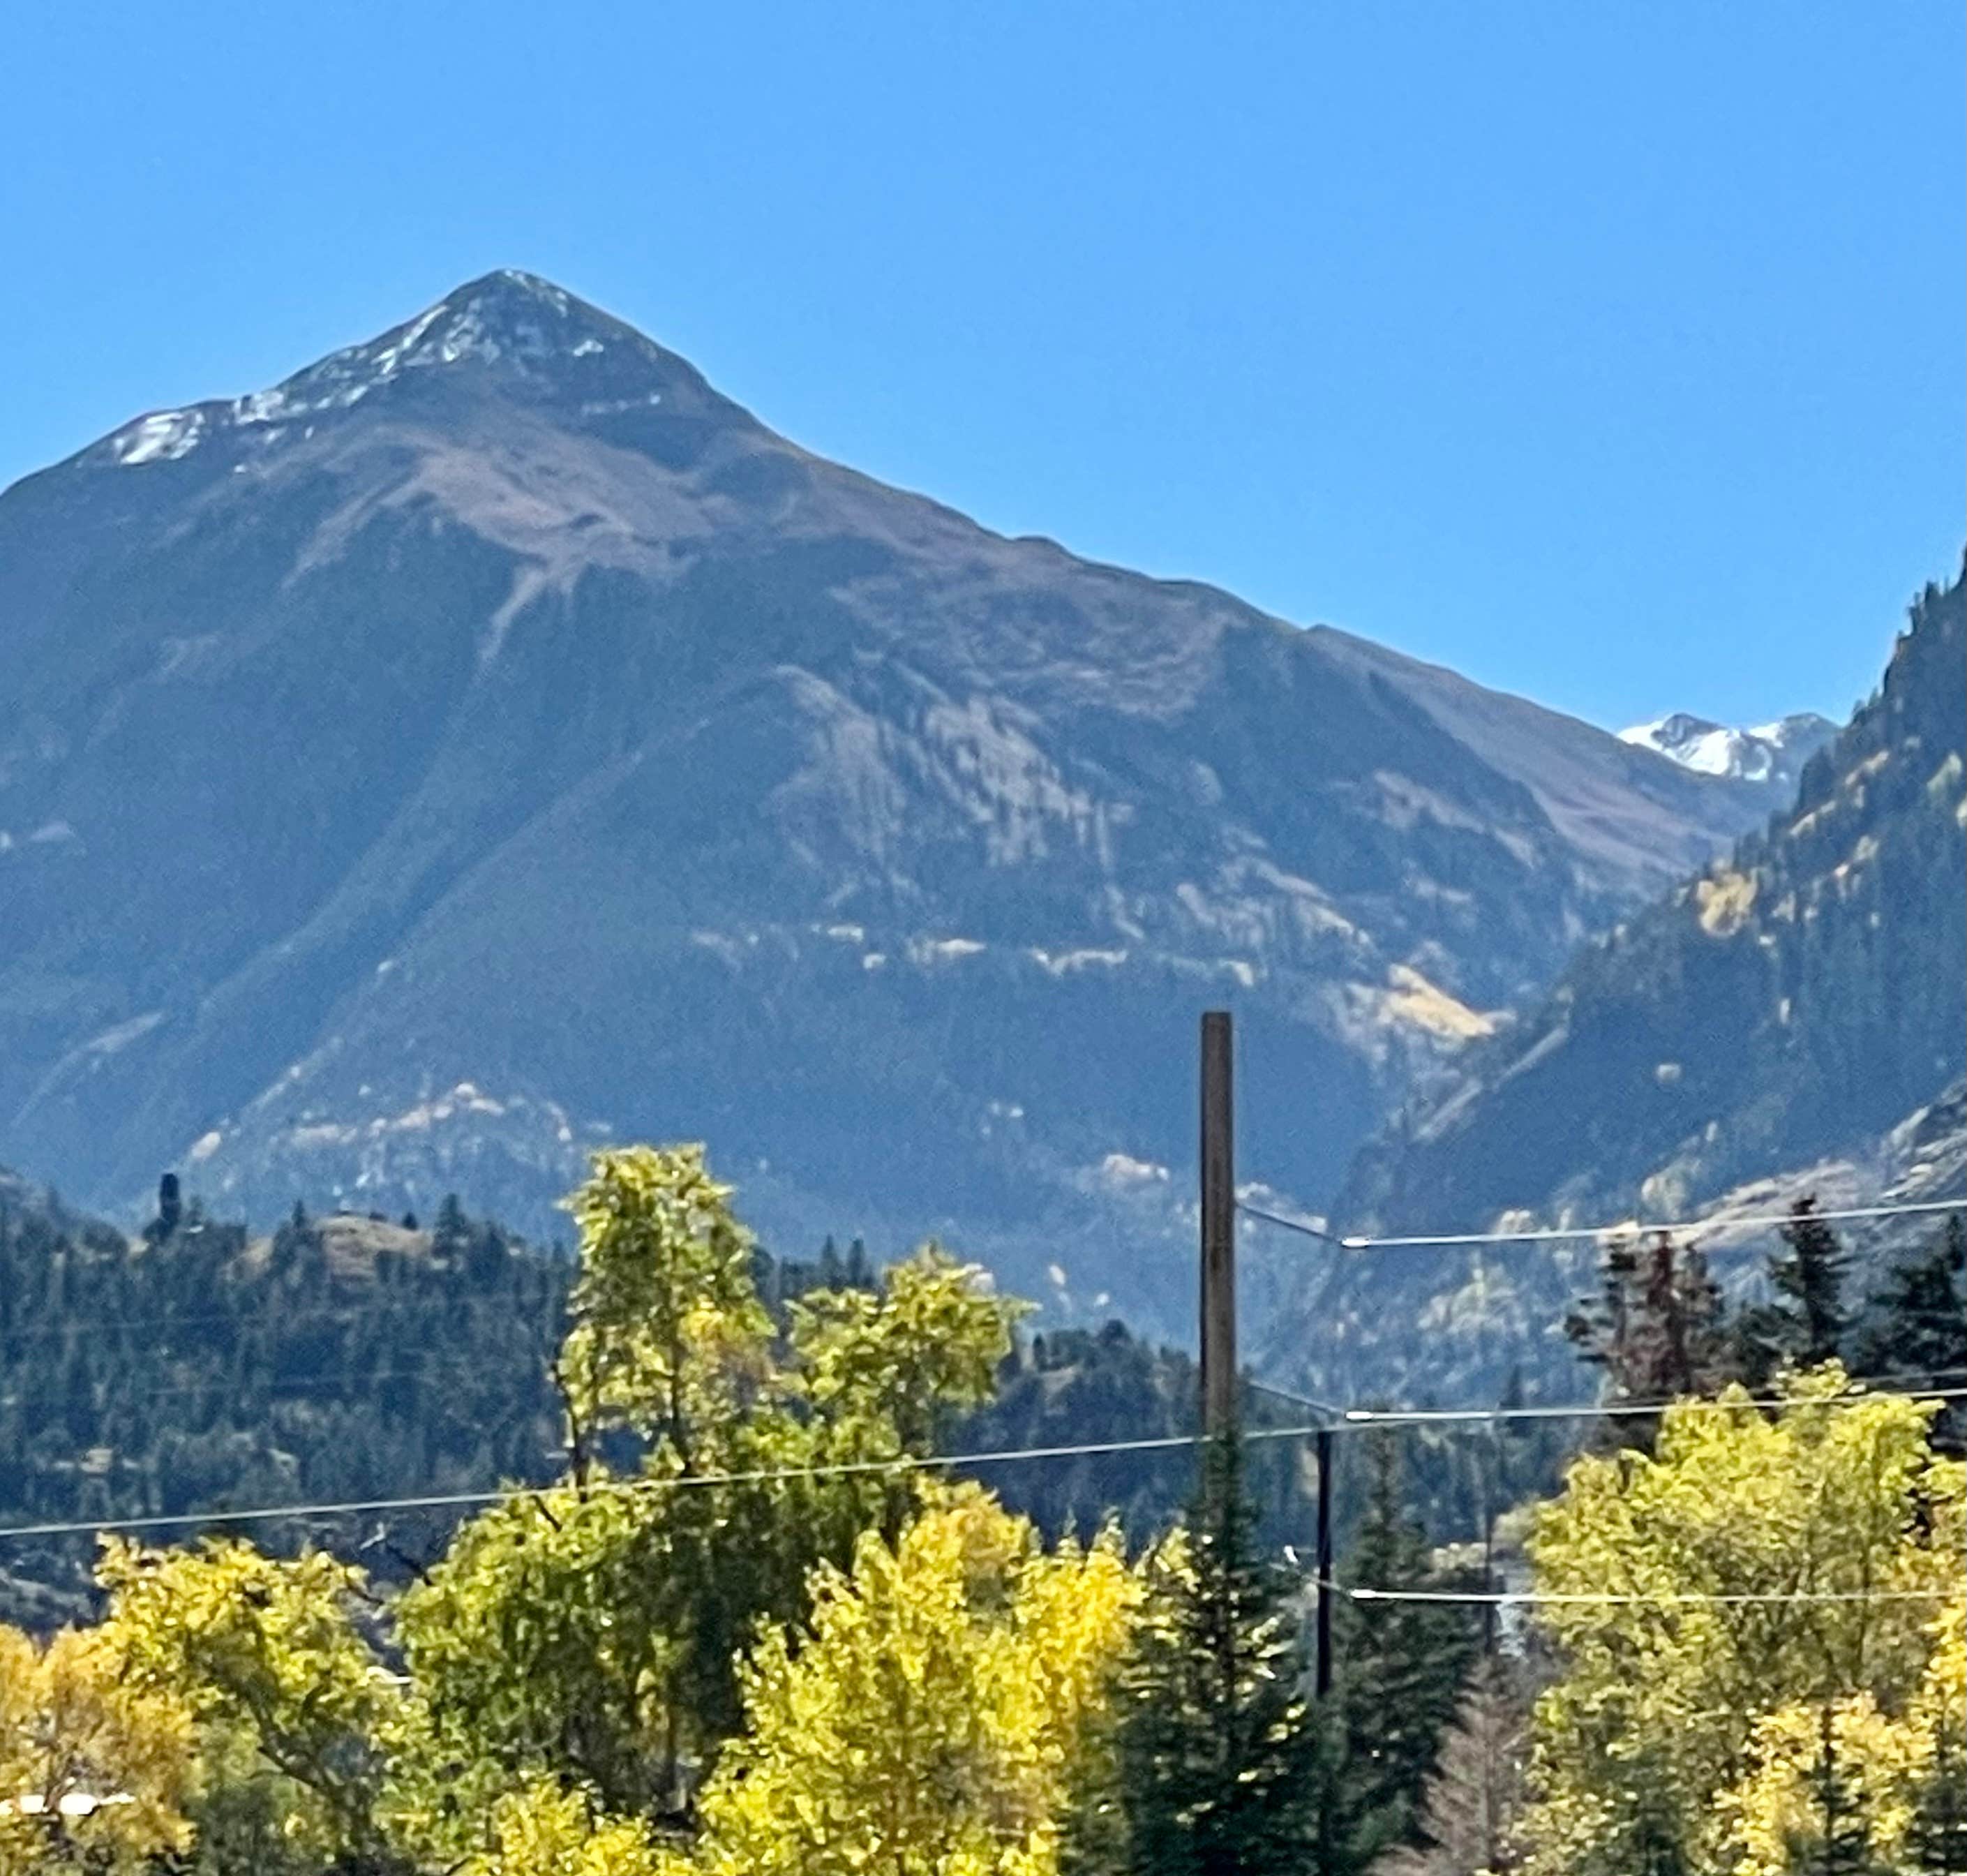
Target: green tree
[1830,1792]
[1807,1322]
[1658,1327]
[1218,1760]
[1405,1664]
[1937,1833]
[1476,1795]
[1917,1325]
[596,1627]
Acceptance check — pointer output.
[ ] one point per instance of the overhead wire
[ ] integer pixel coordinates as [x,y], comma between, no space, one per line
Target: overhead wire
[1354,1420]
[1493,1598]
[1623,1227]
[902,1463]
[1291,1224]
[382,1307]
[1409,1416]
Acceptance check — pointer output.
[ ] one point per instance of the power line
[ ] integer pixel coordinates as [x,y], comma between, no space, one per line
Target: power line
[1355,1419]
[1625,1228]
[682,1481]
[1293,1224]
[1397,1416]
[257,1319]
[237,1392]
[1297,1400]
[1492,1598]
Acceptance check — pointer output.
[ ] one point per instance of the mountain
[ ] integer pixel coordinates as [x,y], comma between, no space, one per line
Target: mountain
[1772,754]
[1793,1019]
[493,739]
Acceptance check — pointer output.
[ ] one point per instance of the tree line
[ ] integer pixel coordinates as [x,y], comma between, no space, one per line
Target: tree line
[745,1622]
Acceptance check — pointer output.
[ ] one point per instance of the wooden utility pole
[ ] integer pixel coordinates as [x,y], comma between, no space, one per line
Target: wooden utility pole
[1219,1226]
[1324,1681]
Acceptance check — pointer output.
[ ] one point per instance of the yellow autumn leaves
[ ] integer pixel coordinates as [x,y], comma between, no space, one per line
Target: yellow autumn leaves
[932,1715]
[93,1771]
[1792,1651]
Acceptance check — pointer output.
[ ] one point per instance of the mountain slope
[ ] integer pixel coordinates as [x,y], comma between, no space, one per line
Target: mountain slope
[492,739]
[1793,1020]
[1806,993]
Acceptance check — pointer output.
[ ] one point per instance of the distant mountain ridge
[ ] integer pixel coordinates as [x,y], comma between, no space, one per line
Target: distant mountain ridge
[493,739]
[1771,754]
[1791,1021]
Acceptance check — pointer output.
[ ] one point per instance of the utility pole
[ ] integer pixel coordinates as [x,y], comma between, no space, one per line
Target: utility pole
[1219,1226]
[1324,1680]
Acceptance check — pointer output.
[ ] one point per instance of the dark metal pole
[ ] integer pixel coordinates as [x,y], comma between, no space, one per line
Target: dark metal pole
[1324,1561]
[1219,1226]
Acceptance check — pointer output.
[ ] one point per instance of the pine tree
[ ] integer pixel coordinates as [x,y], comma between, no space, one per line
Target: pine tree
[1477,1793]
[1938,1837]
[1808,1322]
[1811,1277]
[1919,1320]
[1918,1328]
[453,1229]
[1216,1749]
[1404,1666]
[1658,1328]
[170,1210]
[832,1270]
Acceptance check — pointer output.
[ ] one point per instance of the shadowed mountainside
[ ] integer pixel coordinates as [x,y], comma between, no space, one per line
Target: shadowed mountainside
[493,739]
[1793,1020]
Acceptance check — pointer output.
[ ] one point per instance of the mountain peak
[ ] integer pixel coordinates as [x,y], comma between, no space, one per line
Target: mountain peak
[1771,753]
[508,315]
[529,333]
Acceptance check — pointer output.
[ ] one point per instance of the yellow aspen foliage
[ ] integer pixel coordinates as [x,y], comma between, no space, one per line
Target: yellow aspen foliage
[932,1717]
[94,1772]
[1839,1780]
[670,1336]
[1758,1572]
[544,1830]
[264,1653]
[592,1628]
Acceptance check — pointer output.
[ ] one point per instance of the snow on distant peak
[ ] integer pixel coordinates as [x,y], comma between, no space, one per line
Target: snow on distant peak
[513,320]
[1772,753]
[163,436]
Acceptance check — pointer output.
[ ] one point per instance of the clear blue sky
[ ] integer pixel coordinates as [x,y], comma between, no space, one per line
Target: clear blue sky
[1609,352]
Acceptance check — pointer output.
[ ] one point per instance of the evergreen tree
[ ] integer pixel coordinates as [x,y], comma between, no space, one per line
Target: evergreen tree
[1838,1841]
[1657,1328]
[1477,1793]
[453,1230]
[1918,1324]
[1216,1750]
[859,1273]
[1404,1666]
[1938,1836]
[170,1211]
[1808,1325]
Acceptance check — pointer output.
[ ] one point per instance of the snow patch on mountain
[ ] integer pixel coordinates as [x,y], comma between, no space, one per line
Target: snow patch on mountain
[1771,753]
[509,319]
